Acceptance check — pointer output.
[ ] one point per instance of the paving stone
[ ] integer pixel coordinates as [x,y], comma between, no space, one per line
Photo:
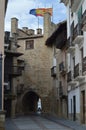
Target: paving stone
[33,123]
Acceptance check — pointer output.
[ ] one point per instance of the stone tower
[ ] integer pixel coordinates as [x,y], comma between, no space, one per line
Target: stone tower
[36,78]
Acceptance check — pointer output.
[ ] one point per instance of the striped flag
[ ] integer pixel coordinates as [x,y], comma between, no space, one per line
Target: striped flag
[41,11]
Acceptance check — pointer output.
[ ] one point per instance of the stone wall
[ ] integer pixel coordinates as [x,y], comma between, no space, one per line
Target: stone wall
[38,62]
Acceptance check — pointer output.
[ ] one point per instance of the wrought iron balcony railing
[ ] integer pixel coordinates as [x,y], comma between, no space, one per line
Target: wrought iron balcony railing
[78,34]
[62,68]
[76,70]
[78,75]
[84,64]
[84,21]
[62,93]
[13,70]
[69,76]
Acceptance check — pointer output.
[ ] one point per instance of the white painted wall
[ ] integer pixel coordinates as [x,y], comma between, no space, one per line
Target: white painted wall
[77,55]
[72,93]
[84,45]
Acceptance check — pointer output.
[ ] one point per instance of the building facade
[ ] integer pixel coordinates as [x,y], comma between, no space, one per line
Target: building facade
[12,70]
[58,41]
[3,5]
[76,36]
[35,83]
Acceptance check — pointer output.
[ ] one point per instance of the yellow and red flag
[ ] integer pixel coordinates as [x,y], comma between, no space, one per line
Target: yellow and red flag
[41,11]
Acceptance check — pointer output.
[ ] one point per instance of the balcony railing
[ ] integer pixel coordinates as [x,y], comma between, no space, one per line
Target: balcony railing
[53,71]
[78,75]
[78,34]
[84,21]
[62,68]
[69,76]
[77,30]
[76,71]
[62,94]
[71,49]
[84,64]
[15,71]
[10,95]
[21,63]
[60,91]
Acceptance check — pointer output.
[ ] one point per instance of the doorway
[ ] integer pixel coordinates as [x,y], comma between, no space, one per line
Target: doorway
[74,108]
[83,106]
[30,102]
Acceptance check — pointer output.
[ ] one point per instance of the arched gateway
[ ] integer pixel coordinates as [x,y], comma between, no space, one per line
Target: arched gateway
[30,102]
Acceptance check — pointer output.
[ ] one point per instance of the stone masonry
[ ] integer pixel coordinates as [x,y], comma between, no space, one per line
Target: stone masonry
[37,64]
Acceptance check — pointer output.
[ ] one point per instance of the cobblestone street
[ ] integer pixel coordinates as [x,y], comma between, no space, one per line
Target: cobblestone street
[33,123]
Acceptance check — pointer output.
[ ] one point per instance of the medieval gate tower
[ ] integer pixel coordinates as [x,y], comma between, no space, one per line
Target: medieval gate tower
[36,80]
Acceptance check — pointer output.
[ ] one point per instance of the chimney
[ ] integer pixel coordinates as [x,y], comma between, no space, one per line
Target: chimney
[14,25]
[39,31]
[25,29]
[31,31]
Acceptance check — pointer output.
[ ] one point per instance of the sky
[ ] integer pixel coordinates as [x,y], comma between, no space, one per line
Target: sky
[20,9]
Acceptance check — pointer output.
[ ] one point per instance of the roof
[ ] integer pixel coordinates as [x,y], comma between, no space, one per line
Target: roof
[51,40]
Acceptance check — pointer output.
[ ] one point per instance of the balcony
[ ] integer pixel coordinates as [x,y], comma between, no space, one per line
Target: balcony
[84,65]
[62,68]
[71,49]
[15,71]
[70,45]
[53,71]
[69,76]
[78,72]
[61,93]
[78,34]
[70,79]
[75,4]
[9,42]
[10,96]
[84,21]
[12,53]
[21,63]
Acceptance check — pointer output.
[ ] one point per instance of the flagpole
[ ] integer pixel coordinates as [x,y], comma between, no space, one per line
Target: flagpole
[38,22]
[52,12]
[38,19]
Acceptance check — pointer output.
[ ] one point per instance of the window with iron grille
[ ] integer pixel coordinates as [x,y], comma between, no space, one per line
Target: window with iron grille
[29,44]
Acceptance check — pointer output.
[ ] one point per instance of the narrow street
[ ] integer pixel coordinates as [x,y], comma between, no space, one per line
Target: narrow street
[33,122]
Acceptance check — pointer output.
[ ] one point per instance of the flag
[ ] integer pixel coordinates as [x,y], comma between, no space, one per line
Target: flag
[40,11]
[33,12]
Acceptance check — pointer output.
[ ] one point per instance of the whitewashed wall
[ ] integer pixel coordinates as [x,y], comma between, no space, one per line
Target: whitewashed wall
[76,93]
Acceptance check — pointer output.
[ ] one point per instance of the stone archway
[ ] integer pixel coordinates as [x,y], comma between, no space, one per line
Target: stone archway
[29,102]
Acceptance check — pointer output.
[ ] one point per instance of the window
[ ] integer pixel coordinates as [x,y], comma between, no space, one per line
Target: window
[81,54]
[29,44]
